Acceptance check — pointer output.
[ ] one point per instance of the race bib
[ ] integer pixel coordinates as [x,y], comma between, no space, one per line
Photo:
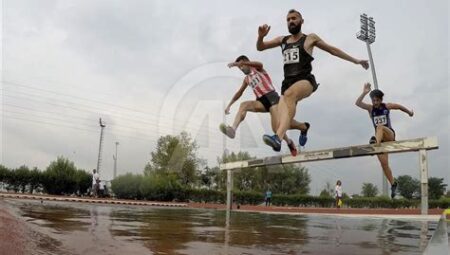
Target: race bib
[291,56]
[254,81]
[380,120]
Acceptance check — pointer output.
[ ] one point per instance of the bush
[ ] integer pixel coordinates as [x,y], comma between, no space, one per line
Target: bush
[161,187]
[83,181]
[127,186]
[442,203]
[248,197]
[206,195]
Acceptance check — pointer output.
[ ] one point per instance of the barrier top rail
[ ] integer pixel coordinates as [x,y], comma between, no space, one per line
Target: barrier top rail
[425,143]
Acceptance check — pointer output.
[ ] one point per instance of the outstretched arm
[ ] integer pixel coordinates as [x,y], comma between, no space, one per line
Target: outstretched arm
[359,101]
[236,96]
[263,45]
[321,44]
[393,106]
[255,64]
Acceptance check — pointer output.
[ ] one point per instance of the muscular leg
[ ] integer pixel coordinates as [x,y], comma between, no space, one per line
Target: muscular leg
[288,102]
[384,134]
[298,125]
[275,121]
[247,106]
[384,161]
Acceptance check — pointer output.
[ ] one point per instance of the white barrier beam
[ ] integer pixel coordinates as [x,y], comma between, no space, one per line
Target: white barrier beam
[427,143]
[419,144]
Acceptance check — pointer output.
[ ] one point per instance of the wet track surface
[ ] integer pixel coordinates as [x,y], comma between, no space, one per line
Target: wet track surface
[71,228]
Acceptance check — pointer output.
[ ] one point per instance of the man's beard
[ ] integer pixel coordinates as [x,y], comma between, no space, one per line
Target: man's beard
[295,29]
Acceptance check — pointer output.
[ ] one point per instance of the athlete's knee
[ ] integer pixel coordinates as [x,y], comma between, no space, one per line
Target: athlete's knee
[244,107]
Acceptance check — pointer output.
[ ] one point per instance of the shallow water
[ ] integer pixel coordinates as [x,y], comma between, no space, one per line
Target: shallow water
[72,228]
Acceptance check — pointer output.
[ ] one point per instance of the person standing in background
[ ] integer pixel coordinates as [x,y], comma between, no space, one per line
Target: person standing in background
[268,197]
[338,194]
[95,183]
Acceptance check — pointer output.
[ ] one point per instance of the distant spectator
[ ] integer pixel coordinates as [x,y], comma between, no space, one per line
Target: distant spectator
[95,183]
[338,193]
[101,189]
[268,197]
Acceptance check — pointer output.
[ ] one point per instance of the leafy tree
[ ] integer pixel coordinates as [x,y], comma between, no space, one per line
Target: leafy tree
[35,180]
[436,187]
[4,175]
[369,190]
[289,179]
[176,154]
[281,179]
[327,191]
[13,181]
[408,186]
[207,177]
[59,177]
[83,181]
[23,176]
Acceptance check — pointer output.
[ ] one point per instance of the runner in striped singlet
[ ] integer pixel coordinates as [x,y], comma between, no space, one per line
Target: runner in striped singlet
[266,99]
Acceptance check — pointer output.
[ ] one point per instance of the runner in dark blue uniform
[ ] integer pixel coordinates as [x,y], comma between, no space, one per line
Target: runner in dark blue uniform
[380,114]
[299,83]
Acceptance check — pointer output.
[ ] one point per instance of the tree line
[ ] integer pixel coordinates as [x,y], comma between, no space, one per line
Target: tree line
[61,177]
[174,167]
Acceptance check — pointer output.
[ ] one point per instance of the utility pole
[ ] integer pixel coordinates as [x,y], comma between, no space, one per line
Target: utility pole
[99,160]
[367,35]
[115,162]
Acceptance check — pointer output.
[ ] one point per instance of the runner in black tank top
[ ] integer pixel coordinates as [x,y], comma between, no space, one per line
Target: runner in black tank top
[379,112]
[299,83]
[297,63]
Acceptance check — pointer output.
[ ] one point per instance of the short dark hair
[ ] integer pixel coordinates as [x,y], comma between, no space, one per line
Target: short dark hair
[242,57]
[376,93]
[295,11]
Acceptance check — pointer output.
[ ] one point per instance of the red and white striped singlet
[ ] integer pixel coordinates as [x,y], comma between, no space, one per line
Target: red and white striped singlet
[260,82]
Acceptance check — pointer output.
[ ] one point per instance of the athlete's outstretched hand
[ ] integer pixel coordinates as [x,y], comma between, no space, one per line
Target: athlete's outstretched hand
[363,63]
[227,110]
[263,30]
[367,88]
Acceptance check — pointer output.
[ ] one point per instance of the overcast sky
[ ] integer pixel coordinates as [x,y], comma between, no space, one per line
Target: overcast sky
[151,68]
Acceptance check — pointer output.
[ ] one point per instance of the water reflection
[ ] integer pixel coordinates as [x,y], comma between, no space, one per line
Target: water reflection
[109,229]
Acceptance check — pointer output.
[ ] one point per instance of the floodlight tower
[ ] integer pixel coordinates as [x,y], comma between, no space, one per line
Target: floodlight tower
[99,160]
[115,162]
[367,35]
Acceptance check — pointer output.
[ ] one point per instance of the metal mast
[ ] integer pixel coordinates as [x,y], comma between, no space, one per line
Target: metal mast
[99,160]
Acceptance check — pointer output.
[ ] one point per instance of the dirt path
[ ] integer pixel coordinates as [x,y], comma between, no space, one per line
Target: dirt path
[13,237]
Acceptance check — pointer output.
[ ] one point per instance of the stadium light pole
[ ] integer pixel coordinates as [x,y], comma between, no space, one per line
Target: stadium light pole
[367,34]
[115,162]
[99,159]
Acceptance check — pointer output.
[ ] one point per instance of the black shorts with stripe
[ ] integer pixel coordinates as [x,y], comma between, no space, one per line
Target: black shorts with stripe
[270,99]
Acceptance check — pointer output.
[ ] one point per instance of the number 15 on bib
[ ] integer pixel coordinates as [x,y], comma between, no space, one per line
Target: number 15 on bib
[291,56]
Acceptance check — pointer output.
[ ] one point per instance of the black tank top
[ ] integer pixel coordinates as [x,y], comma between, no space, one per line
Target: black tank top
[297,62]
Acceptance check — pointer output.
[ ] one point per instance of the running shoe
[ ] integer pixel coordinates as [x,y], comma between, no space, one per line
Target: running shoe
[273,141]
[292,148]
[227,130]
[303,135]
